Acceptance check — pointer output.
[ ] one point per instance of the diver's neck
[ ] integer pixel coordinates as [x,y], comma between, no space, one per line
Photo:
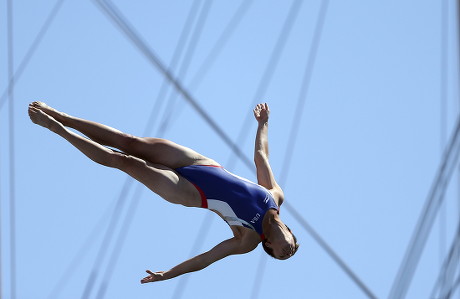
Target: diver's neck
[271,222]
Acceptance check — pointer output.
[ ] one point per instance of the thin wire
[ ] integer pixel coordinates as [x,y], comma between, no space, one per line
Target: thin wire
[257,285]
[221,42]
[454,287]
[129,215]
[292,141]
[218,46]
[272,63]
[128,182]
[448,265]
[31,51]
[204,231]
[163,91]
[183,70]
[215,51]
[427,217]
[129,31]
[269,71]
[106,241]
[150,55]
[120,240]
[452,265]
[443,119]
[11,152]
[303,93]
[69,271]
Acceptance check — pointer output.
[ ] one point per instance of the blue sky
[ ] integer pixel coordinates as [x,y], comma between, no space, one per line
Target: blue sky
[369,143]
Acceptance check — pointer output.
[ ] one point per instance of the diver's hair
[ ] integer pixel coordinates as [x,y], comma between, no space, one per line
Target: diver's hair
[269,250]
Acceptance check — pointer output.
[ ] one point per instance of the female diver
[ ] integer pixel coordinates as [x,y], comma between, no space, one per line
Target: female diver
[182,176]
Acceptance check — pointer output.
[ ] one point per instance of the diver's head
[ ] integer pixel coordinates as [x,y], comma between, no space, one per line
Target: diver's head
[282,245]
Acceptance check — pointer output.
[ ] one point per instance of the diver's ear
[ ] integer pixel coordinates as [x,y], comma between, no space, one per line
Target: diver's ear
[268,244]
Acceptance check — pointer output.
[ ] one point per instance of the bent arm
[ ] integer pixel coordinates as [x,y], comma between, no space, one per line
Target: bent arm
[199,262]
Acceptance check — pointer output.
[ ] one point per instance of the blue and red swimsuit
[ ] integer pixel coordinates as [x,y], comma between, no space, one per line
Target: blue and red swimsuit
[240,201]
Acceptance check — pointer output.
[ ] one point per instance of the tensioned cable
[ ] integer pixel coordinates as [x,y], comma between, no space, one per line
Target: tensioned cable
[102,291]
[68,273]
[206,224]
[128,183]
[221,42]
[180,47]
[215,52]
[454,287]
[106,241]
[427,217]
[13,77]
[269,71]
[112,261]
[130,32]
[128,217]
[292,140]
[446,275]
[185,64]
[31,51]
[420,235]
[261,89]
[443,119]
[11,152]
[200,74]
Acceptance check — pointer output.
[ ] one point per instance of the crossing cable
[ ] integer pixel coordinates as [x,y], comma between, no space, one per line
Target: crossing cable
[12,159]
[452,289]
[200,74]
[217,49]
[31,51]
[183,37]
[130,32]
[69,271]
[151,56]
[106,240]
[272,63]
[112,261]
[134,202]
[443,118]
[446,275]
[114,254]
[292,141]
[414,250]
[127,185]
[269,71]
[206,221]
[221,42]
[186,63]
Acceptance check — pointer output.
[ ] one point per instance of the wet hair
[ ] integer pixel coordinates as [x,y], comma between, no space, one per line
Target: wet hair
[269,250]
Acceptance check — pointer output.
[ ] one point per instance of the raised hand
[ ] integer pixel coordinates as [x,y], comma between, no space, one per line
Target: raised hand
[262,112]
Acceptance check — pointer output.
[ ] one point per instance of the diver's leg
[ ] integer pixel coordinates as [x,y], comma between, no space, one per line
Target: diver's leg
[158,178]
[154,150]
[100,133]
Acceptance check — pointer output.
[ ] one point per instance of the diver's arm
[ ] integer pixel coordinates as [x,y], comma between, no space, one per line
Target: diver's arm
[220,251]
[265,176]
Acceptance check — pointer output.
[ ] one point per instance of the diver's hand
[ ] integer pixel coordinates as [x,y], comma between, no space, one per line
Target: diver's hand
[157,276]
[262,112]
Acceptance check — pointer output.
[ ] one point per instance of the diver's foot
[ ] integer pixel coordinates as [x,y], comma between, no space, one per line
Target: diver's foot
[57,115]
[41,118]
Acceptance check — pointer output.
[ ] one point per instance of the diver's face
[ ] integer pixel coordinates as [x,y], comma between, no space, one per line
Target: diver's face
[282,248]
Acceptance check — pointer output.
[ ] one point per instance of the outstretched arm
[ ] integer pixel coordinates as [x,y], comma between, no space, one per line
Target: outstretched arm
[265,175]
[223,249]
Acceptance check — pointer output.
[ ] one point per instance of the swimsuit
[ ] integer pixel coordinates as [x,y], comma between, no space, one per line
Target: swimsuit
[240,201]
